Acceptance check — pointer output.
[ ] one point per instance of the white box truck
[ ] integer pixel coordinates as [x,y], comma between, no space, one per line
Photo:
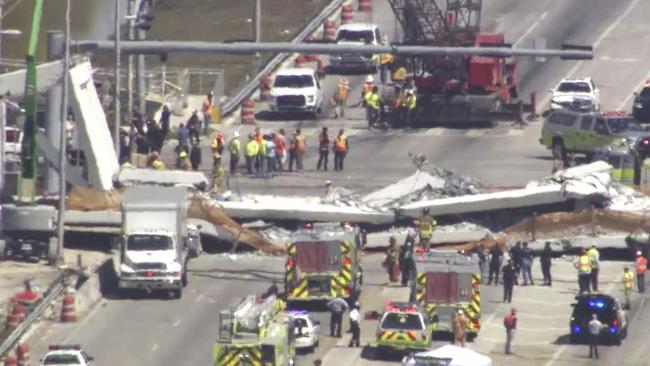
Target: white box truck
[153,248]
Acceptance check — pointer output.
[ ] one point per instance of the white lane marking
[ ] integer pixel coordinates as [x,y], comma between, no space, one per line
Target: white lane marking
[618,59]
[559,351]
[199,298]
[530,29]
[516,132]
[636,316]
[599,40]
[154,347]
[631,95]
[177,323]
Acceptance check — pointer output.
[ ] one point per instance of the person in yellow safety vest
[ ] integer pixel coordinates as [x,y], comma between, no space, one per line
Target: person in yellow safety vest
[252,150]
[184,161]
[340,98]
[340,150]
[372,106]
[234,147]
[218,144]
[583,264]
[155,161]
[385,62]
[367,89]
[399,76]
[411,102]
[628,282]
[594,256]
[426,223]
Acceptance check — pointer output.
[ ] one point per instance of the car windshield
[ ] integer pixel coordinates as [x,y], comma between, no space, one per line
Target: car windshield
[574,87]
[645,92]
[293,81]
[61,360]
[402,321]
[618,125]
[365,36]
[149,242]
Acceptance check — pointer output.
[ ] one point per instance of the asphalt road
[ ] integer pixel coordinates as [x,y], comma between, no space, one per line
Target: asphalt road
[153,331]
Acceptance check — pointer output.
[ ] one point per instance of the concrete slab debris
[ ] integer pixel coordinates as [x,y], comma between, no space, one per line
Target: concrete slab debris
[129,176]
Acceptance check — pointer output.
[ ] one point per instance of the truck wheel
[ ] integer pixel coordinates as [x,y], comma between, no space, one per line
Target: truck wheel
[559,152]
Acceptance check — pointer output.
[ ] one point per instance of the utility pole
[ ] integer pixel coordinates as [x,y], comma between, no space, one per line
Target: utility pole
[140,77]
[2,3]
[129,67]
[117,121]
[63,156]
[55,51]
[257,21]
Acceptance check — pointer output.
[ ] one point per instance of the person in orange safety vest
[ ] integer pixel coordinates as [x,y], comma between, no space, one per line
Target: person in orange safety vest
[641,268]
[340,150]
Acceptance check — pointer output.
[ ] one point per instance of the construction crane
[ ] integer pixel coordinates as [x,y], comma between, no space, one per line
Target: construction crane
[29,150]
[455,90]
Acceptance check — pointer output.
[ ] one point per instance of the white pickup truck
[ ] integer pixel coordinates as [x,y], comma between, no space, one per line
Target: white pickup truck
[296,90]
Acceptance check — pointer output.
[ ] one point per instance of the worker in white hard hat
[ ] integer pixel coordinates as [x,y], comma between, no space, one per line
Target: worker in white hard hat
[367,88]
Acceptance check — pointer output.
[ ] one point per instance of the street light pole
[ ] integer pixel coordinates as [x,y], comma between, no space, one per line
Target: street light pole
[117,106]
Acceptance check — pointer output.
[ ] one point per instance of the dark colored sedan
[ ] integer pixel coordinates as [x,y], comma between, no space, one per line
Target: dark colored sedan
[608,310]
[641,106]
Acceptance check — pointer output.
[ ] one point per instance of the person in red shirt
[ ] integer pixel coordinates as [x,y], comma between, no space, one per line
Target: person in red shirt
[510,323]
[641,268]
[323,149]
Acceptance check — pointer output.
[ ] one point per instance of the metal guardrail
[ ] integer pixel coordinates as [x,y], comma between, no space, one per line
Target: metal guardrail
[231,104]
[52,292]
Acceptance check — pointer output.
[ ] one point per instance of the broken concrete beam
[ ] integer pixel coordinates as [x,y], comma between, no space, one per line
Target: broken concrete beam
[301,209]
[396,193]
[130,176]
[527,197]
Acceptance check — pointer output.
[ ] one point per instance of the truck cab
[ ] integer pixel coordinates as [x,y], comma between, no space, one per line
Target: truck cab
[323,262]
[296,90]
[357,34]
[153,249]
[445,282]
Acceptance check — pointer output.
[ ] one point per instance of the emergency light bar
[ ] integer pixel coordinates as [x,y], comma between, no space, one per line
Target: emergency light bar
[61,347]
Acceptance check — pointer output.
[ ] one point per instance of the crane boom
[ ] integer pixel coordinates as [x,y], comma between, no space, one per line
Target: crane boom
[29,148]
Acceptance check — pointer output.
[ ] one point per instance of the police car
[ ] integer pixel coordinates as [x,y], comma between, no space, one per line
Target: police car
[307,330]
[66,355]
[609,312]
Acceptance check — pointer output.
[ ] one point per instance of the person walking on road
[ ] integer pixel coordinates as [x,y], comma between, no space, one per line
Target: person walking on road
[392,258]
[545,260]
[426,223]
[405,262]
[280,149]
[234,148]
[595,326]
[183,137]
[372,106]
[252,148]
[510,323]
[337,306]
[583,264]
[195,155]
[207,112]
[509,280]
[355,325]
[496,258]
[628,283]
[515,255]
[594,256]
[292,151]
[270,156]
[301,146]
[527,264]
[323,149]
[641,268]
[340,150]
[340,98]
[460,327]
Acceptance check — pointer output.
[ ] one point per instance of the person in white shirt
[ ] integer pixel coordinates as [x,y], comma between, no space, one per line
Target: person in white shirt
[355,319]
[595,326]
